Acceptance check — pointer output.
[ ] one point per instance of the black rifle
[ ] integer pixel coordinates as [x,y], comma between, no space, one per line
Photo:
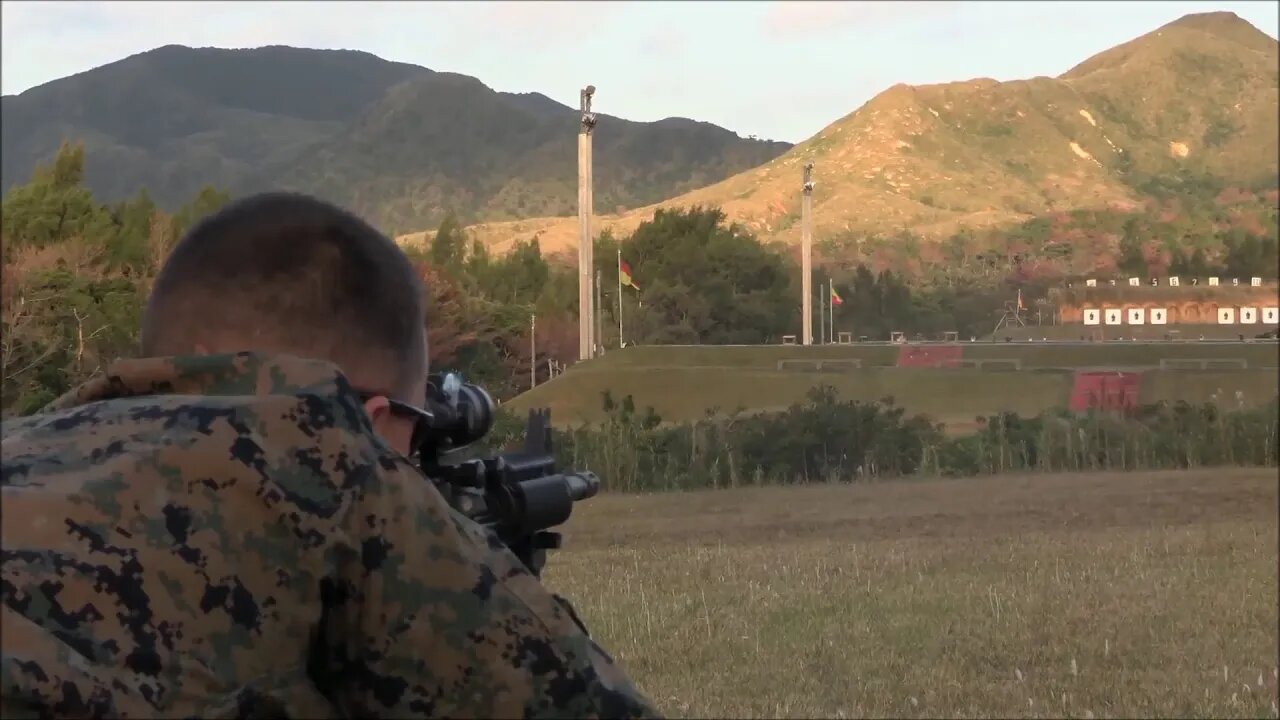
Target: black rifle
[517,495]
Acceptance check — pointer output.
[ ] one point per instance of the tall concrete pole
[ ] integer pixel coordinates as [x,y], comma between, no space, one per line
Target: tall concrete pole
[806,252]
[586,259]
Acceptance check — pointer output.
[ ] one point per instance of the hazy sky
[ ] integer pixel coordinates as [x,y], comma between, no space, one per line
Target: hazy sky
[780,70]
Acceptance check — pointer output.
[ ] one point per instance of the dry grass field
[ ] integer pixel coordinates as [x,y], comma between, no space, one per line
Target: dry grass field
[1134,595]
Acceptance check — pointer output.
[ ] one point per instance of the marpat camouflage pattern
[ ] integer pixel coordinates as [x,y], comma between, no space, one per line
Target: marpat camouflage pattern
[202,536]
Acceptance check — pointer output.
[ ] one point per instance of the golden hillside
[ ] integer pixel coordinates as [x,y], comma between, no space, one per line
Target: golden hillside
[1198,94]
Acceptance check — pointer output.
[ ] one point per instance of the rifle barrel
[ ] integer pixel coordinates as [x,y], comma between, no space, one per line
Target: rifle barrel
[548,501]
[582,485]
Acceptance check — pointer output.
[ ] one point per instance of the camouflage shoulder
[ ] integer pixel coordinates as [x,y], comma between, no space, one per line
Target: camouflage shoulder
[617,685]
[244,373]
[620,697]
[249,373]
[75,396]
[608,691]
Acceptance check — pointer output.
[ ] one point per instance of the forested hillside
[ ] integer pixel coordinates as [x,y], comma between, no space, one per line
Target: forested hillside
[76,273]
[399,143]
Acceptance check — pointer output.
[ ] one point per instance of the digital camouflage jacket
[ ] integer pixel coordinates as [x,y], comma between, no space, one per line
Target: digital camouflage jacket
[224,536]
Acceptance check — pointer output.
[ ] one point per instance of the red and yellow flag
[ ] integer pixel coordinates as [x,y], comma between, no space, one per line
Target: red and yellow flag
[835,297]
[624,274]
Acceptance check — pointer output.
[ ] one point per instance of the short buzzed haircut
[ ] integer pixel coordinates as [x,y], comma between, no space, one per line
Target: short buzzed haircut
[288,273]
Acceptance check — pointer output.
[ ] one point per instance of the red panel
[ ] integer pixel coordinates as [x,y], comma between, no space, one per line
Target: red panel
[1105,391]
[942,356]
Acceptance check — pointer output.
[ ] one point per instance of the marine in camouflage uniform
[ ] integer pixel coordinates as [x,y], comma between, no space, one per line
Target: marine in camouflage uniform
[178,530]
[223,529]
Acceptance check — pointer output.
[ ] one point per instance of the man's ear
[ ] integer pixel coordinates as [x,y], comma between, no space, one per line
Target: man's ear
[378,408]
[379,411]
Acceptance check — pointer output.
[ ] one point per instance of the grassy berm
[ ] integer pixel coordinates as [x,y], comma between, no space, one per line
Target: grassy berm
[1104,595]
[684,383]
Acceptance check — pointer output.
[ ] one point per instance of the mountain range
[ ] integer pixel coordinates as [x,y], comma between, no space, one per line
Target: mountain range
[398,143]
[403,144]
[1196,97]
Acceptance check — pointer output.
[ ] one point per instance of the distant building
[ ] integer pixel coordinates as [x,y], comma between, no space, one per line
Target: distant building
[1180,302]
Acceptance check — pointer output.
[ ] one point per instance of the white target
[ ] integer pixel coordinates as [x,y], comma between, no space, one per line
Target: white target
[1173,281]
[1226,316]
[1091,282]
[1248,315]
[1271,315]
[1137,316]
[1134,282]
[1256,282]
[1112,316]
[1213,282]
[1159,316]
[1091,316]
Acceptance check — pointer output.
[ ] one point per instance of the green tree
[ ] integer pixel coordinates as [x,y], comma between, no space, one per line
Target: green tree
[130,247]
[54,206]
[76,274]
[478,265]
[524,274]
[449,243]
[1248,255]
[708,283]
[1132,261]
[206,202]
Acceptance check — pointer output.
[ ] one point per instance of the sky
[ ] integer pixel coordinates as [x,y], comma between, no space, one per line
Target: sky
[776,70]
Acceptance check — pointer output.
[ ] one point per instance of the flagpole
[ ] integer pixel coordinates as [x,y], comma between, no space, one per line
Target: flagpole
[822,321]
[619,297]
[831,309]
[599,342]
